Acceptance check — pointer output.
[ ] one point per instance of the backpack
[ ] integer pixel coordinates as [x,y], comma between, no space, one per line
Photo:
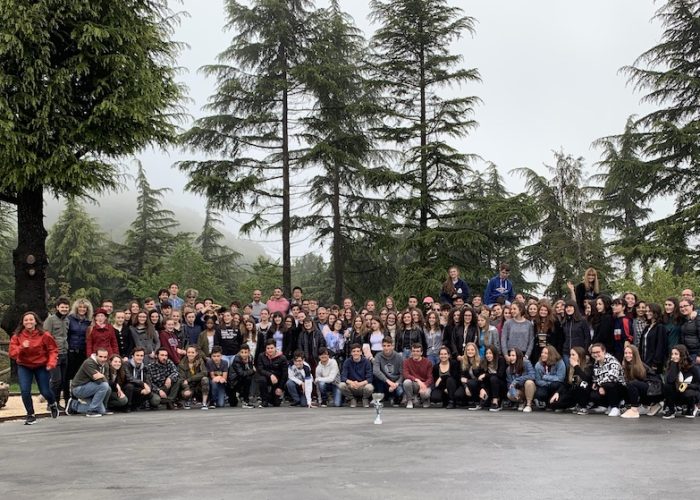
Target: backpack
[4,393]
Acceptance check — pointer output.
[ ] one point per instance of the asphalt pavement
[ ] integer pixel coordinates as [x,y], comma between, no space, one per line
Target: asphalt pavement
[339,453]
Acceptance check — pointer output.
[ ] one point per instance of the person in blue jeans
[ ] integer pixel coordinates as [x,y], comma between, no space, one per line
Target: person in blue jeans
[300,381]
[218,376]
[36,354]
[90,391]
[328,379]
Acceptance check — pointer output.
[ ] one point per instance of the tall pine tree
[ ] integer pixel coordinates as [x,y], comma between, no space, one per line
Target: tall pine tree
[567,237]
[337,135]
[669,73]
[81,255]
[81,85]
[250,128]
[150,236]
[621,200]
[415,70]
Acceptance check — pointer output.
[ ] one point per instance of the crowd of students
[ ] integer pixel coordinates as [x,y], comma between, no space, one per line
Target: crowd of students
[587,353]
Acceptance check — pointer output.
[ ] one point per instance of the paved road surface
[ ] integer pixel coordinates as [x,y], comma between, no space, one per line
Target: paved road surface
[338,453]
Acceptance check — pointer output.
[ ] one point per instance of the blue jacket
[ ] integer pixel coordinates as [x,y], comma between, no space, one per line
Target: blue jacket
[362,370]
[497,287]
[556,374]
[77,333]
[519,381]
[461,288]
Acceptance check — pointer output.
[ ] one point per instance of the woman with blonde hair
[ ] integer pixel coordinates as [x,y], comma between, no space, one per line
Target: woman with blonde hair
[468,391]
[79,321]
[588,289]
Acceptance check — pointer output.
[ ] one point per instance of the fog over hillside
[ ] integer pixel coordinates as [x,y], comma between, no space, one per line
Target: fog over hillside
[115,212]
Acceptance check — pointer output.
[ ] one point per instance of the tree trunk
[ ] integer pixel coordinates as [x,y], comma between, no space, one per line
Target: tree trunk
[286,222]
[30,261]
[424,195]
[338,263]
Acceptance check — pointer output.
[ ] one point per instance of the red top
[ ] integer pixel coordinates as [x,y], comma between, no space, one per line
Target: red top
[42,349]
[418,370]
[102,336]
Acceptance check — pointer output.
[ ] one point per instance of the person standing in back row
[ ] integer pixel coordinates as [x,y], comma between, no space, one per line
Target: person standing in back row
[500,286]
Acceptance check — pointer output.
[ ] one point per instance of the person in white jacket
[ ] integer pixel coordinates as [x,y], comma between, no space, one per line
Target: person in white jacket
[327,379]
[300,382]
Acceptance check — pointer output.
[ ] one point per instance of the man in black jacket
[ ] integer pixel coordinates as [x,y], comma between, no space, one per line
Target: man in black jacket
[272,375]
[240,377]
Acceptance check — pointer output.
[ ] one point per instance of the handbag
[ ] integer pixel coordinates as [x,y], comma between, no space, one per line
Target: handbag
[655,385]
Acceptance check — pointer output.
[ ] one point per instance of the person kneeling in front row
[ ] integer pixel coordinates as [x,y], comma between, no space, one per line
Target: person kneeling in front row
[300,382]
[138,387]
[240,378]
[417,377]
[356,378]
[90,386]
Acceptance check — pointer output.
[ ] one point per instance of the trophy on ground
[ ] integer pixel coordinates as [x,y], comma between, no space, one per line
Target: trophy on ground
[377,402]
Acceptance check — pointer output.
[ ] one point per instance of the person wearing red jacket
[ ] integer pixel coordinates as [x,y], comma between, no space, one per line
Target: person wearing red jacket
[36,354]
[417,376]
[101,334]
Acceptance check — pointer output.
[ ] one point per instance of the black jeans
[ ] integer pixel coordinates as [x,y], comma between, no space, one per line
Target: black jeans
[241,387]
[58,376]
[613,394]
[444,393]
[460,394]
[267,390]
[74,361]
[572,396]
[495,387]
[544,393]
[675,398]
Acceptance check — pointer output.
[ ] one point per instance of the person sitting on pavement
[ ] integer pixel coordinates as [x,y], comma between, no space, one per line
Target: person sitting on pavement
[417,377]
[327,379]
[550,372]
[272,372]
[139,389]
[90,386]
[387,372]
[682,384]
[300,382]
[575,392]
[117,381]
[446,374]
[165,378]
[194,377]
[356,378]
[520,380]
[467,392]
[608,381]
[241,375]
[217,367]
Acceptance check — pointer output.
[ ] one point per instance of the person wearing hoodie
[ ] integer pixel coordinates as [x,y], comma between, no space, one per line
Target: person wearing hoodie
[356,377]
[169,339]
[36,354]
[57,325]
[327,379]
[520,380]
[272,371]
[576,331]
[387,369]
[608,380]
[194,377]
[550,372]
[300,381]
[190,328]
[138,387]
[499,286]
[240,377]
[91,390]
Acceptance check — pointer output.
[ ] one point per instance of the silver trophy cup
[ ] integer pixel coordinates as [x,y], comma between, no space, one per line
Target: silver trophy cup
[377,402]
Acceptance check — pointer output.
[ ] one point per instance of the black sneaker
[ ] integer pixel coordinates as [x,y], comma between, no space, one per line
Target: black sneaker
[668,413]
[494,407]
[54,410]
[93,414]
[69,407]
[30,420]
[690,412]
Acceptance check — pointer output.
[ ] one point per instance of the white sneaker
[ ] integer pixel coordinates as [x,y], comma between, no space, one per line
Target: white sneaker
[599,409]
[409,404]
[614,412]
[527,409]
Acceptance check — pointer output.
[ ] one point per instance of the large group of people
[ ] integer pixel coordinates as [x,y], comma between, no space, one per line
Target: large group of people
[586,353]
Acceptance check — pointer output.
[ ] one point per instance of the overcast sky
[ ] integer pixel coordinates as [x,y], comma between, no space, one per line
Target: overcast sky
[549,70]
